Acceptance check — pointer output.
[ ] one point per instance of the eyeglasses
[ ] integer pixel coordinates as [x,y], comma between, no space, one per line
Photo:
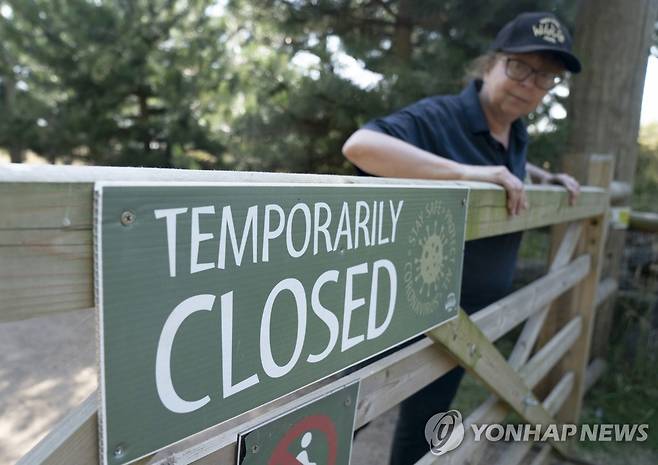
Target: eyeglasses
[519,71]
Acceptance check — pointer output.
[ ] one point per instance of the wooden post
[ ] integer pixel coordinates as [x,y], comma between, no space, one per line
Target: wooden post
[612,77]
[583,298]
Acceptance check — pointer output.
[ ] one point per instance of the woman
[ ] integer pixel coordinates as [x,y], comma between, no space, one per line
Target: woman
[477,135]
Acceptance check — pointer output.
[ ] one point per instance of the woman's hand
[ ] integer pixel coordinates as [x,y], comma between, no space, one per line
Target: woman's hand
[517,200]
[383,155]
[569,182]
[542,176]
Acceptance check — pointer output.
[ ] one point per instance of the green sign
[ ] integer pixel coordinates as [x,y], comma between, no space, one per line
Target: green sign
[216,299]
[318,433]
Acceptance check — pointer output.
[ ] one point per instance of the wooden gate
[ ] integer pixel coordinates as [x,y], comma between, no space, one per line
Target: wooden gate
[47,216]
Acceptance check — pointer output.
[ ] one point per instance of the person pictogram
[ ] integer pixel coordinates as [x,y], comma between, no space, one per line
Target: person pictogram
[318,424]
[303,457]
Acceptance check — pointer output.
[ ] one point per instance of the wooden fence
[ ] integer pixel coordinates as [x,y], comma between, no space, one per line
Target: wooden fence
[46,258]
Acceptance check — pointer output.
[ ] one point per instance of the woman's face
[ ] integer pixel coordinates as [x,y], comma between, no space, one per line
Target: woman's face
[515,98]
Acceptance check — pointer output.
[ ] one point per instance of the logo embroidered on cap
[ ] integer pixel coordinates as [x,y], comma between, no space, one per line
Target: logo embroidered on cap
[549,30]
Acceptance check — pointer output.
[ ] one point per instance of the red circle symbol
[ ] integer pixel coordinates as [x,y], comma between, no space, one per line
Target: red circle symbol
[321,423]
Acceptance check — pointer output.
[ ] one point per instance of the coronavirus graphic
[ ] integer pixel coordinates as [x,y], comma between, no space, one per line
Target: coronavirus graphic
[431,258]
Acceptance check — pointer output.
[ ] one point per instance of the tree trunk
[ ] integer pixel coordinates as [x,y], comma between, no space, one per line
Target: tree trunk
[143,120]
[16,155]
[612,39]
[16,152]
[402,46]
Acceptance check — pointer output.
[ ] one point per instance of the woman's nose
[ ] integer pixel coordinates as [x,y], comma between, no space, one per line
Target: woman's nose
[529,81]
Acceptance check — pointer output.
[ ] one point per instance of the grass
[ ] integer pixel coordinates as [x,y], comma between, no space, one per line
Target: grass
[627,393]
[628,390]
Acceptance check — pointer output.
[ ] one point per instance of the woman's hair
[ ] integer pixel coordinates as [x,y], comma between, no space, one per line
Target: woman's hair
[477,68]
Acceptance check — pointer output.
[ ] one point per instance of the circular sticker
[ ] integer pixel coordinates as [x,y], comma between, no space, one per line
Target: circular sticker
[430,264]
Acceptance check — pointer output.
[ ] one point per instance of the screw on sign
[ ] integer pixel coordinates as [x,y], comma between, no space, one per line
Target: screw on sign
[315,423]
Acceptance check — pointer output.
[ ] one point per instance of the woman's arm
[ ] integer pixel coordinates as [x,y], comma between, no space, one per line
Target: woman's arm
[538,175]
[542,176]
[387,156]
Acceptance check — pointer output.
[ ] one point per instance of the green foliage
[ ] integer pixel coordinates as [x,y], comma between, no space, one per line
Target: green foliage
[116,82]
[218,84]
[628,391]
[646,181]
[548,148]
[419,48]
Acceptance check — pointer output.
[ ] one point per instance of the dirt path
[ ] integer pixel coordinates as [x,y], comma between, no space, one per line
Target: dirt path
[47,367]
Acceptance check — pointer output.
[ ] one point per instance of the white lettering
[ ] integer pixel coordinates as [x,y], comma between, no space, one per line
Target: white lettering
[494,433]
[344,227]
[361,224]
[380,239]
[589,431]
[250,223]
[551,433]
[624,432]
[163,383]
[514,432]
[269,234]
[227,351]
[605,433]
[197,237]
[478,430]
[351,305]
[534,432]
[269,365]
[325,315]
[170,214]
[321,228]
[568,430]
[307,230]
[374,223]
[374,330]
[395,216]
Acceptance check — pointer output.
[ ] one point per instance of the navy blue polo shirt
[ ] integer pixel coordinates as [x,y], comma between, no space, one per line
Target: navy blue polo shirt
[454,127]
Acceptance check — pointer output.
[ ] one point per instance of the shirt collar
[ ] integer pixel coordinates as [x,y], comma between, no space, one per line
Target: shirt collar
[475,118]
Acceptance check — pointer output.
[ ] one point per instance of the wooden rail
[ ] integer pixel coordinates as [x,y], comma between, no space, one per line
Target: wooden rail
[619,191]
[46,267]
[46,240]
[644,221]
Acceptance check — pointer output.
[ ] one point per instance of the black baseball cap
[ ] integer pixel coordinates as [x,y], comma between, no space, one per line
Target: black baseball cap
[537,32]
